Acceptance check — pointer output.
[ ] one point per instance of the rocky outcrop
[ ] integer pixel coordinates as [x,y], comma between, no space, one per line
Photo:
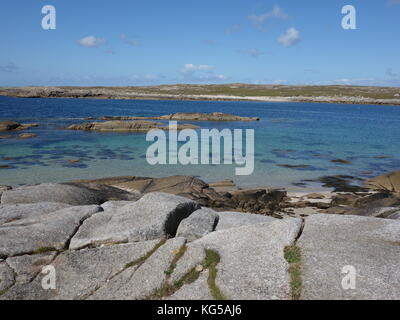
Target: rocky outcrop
[37,231]
[387,182]
[27,135]
[165,246]
[15,126]
[184,116]
[65,193]
[125,126]
[154,216]
[14,213]
[333,246]
[197,116]
[229,220]
[262,201]
[252,264]
[185,186]
[198,224]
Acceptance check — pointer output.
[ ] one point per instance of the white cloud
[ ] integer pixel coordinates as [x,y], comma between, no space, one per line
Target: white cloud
[190,68]
[290,38]
[201,73]
[129,41]
[91,42]
[260,20]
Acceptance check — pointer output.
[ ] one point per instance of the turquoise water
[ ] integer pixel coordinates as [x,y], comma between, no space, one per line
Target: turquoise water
[301,134]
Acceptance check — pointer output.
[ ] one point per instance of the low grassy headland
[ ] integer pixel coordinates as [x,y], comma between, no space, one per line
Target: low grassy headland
[249,92]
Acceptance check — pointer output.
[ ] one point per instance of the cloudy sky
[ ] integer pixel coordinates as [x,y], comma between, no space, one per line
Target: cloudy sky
[130,42]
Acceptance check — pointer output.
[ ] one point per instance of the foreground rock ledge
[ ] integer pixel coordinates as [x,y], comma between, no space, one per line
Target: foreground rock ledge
[144,249]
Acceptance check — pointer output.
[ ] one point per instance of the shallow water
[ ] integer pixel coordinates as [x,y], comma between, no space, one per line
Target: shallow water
[299,134]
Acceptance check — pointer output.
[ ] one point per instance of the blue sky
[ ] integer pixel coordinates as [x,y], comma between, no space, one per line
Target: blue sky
[128,42]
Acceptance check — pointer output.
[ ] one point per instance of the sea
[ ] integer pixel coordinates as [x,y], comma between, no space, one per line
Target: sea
[295,143]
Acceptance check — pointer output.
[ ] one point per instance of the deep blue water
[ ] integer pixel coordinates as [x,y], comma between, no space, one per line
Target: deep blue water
[288,134]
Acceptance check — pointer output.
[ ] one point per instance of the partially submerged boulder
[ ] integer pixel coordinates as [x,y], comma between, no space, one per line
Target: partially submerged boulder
[12,125]
[198,116]
[125,126]
[184,116]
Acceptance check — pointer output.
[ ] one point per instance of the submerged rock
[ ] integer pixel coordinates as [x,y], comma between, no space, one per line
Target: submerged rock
[27,135]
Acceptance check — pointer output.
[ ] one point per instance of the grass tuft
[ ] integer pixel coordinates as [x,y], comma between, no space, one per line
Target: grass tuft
[293,257]
[141,260]
[44,250]
[211,261]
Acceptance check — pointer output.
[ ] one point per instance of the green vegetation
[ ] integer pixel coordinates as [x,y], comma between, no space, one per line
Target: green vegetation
[141,260]
[179,91]
[293,257]
[210,262]
[44,250]
[172,266]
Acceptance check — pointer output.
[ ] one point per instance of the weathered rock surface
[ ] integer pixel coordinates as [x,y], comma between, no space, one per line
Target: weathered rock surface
[185,186]
[154,216]
[13,213]
[121,252]
[264,273]
[113,205]
[370,245]
[65,193]
[394,215]
[6,277]
[198,224]
[389,182]
[197,290]
[228,220]
[140,283]
[27,267]
[35,233]
[79,273]
[4,188]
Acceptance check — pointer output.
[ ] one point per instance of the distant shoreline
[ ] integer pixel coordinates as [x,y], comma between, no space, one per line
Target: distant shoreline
[239,92]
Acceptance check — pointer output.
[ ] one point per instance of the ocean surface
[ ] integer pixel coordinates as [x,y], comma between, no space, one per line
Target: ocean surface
[307,136]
